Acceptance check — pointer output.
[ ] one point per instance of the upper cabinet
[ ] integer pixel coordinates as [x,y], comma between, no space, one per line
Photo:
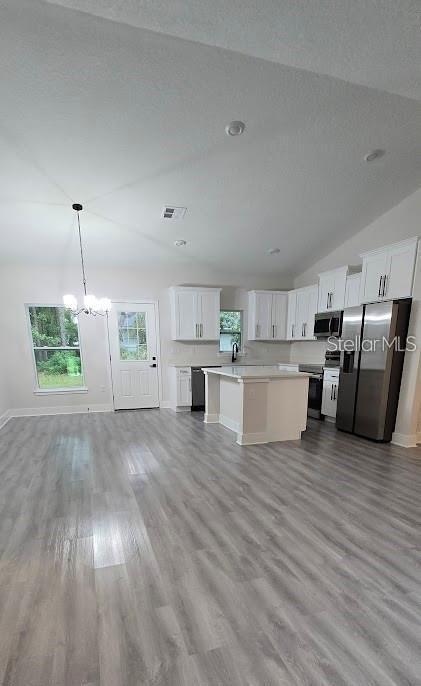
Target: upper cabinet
[267,315]
[302,307]
[352,290]
[195,313]
[388,272]
[332,287]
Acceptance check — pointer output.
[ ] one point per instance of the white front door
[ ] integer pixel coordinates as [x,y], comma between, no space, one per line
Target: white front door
[134,360]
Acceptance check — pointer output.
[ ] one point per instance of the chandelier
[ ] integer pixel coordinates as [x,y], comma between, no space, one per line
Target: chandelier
[91,304]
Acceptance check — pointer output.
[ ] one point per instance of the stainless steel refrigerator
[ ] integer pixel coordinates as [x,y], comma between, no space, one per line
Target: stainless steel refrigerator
[373,342]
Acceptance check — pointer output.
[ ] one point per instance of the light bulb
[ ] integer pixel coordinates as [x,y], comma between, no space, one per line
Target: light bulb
[70,302]
[90,302]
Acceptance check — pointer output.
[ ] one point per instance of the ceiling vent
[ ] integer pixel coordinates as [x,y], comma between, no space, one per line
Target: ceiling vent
[174,213]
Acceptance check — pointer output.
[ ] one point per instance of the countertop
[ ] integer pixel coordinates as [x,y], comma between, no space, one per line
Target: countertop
[240,363]
[255,372]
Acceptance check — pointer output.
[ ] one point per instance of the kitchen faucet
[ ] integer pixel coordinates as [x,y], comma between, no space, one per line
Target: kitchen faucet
[234,352]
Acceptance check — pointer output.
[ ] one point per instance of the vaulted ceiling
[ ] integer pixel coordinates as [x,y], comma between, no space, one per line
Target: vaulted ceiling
[105,107]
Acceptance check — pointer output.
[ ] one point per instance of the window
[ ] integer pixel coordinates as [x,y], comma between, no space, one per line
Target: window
[230,329]
[55,341]
[132,335]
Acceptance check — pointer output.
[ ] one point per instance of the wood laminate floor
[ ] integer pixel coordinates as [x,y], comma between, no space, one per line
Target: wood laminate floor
[147,548]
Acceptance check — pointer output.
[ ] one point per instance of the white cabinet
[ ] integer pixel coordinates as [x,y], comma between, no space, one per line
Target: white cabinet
[292,312]
[302,307]
[195,313]
[267,315]
[388,272]
[181,396]
[352,290]
[332,286]
[330,392]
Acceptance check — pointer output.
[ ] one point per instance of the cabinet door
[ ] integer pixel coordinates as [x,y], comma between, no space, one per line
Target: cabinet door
[352,290]
[374,269]
[326,288]
[292,312]
[312,302]
[337,300]
[208,315]
[329,396]
[185,315]
[279,316]
[302,313]
[263,323]
[400,272]
[184,397]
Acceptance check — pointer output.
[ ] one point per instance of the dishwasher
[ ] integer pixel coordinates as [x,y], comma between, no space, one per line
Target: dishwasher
[198,388]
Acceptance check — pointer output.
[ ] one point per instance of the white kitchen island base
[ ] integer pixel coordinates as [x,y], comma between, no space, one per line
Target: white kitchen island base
[261,404]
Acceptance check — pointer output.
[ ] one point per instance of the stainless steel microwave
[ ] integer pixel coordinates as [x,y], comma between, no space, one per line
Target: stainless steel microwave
[328,324]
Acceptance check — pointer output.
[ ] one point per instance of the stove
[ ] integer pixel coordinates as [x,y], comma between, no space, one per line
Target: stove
[315,388]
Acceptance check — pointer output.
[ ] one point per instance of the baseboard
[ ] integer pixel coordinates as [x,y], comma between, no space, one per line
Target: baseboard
[406,440]
[211,419]
[229,423]
[166,405]
[4,418]
[64,409]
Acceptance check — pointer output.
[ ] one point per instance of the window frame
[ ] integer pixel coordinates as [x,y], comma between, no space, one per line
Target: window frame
[47,391]
[241,347]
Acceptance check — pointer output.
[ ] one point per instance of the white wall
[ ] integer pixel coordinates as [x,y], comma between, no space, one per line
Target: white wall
[403,221]
[21,284]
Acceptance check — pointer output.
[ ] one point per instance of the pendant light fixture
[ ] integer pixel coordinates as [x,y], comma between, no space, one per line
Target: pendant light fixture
[91,304]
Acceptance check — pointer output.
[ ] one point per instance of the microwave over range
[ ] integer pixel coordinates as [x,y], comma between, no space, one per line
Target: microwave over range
[328,324]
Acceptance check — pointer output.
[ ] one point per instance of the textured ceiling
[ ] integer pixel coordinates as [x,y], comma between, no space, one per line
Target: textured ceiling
[125,120]
[375,43]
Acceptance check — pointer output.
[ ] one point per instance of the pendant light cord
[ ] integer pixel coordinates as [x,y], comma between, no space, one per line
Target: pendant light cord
[81,254]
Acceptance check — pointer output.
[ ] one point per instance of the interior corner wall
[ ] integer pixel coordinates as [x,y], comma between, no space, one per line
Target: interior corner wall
[23,284]
[5,399]
[402,221]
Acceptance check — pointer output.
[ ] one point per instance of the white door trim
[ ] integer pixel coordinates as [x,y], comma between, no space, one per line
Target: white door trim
[138,301]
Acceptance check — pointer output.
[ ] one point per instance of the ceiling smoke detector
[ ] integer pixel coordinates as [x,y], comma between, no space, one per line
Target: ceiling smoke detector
[180,242]
[274,251]
[373,155]
[173,212]
[235,128]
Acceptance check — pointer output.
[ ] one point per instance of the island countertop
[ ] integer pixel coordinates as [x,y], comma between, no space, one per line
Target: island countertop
[255,372]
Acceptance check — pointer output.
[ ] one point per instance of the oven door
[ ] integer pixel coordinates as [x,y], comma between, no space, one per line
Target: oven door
[322,324]
[315,390]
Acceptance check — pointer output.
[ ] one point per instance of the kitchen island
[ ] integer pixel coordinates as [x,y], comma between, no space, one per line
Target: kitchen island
[260,404]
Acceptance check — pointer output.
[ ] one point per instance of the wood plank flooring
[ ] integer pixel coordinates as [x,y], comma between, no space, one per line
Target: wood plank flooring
[148,549]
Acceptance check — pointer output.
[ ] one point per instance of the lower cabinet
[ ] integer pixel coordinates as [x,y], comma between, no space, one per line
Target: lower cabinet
[181,396]
[330,392]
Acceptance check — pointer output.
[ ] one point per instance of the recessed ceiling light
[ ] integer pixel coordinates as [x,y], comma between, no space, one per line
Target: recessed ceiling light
[235,128]
[274,251]
[374,155]
[180,242]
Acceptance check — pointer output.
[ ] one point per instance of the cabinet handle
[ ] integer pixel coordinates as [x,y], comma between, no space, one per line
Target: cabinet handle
[331,392]
[275,329]
[201,330]
[292,330]
[379,293]
[327,302]
[257,331]
[334,392]
[385,285]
